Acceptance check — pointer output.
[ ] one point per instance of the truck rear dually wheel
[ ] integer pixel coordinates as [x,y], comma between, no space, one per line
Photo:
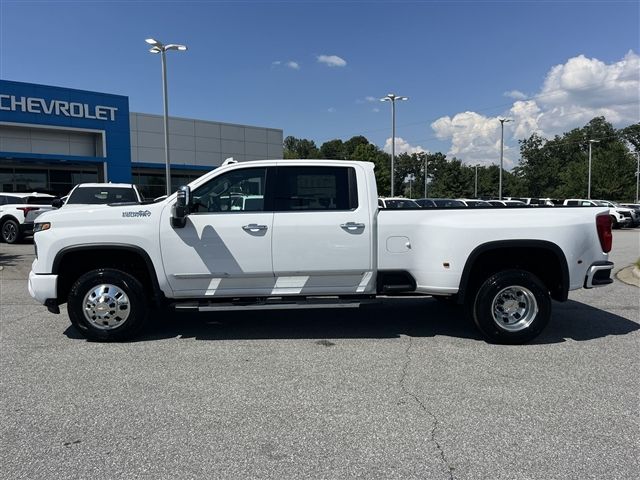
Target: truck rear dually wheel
[511,307]
[107,305]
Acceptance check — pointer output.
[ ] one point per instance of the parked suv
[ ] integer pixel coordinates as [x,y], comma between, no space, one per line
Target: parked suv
[18,211]
[620,217]
[636,208]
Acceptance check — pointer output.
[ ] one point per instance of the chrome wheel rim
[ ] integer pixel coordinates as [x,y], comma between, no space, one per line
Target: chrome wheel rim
[514,308]
[106,306]
[9,232]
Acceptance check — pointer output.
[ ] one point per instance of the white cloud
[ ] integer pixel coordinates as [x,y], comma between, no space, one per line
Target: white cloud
[402,146]
[375,109]
[517,94]
[368,99]
[332,60]
[474,138]
[289,64]
[571,95]
[331,109]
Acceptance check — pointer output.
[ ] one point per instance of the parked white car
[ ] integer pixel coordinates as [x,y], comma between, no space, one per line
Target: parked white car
[319,240]
[535,202]
[620,217]
[18,212]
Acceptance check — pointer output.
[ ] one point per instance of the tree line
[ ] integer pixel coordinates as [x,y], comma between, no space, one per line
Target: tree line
[554,168]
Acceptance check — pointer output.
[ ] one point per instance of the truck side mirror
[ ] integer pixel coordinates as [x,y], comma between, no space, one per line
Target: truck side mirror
[181,208]
[57,203]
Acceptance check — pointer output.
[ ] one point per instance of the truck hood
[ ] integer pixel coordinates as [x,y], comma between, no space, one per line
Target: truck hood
[114,215]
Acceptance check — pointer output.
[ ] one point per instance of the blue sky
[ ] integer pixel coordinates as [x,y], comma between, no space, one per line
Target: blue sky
[456,61]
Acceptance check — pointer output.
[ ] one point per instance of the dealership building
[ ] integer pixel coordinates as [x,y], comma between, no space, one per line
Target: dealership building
[52,138]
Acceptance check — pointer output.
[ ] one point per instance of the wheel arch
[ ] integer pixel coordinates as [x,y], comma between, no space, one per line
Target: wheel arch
[8,216]
[73,261]
[534,256]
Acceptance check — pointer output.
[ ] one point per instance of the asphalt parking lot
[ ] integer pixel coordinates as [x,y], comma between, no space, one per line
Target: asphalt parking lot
[401,390]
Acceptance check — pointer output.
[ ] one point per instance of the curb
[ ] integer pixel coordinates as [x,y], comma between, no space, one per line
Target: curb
[629,275]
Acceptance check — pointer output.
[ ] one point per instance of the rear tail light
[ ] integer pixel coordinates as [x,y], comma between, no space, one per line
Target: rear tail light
[603,225]
[26,210]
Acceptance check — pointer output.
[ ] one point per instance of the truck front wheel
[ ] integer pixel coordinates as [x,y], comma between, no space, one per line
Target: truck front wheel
[107,305]
[511,307]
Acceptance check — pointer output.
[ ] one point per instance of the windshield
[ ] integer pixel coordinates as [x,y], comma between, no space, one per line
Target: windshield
[101,195]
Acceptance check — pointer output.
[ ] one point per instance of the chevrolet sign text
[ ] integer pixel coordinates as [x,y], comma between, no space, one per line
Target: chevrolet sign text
[56,107]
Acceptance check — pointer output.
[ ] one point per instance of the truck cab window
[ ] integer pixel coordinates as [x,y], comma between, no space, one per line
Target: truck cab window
[236,191]
[316,188]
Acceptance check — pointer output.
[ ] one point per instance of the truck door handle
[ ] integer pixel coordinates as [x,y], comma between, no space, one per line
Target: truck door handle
[352,225]
[253,227]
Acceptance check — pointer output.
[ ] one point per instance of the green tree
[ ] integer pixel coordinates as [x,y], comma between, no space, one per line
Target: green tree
[350,146]
[299,148]
[559,167]
[333,149]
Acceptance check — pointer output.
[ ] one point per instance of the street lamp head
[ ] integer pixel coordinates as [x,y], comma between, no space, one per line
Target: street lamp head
[505,120]
[594,141]
[174,46]
[392,97]
[155,50]
[152,41]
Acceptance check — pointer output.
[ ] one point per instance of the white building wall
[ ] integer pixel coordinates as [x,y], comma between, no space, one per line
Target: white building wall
[199,142]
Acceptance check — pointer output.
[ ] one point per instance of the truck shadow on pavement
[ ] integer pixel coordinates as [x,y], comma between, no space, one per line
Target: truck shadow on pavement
[10,260]
[414,317]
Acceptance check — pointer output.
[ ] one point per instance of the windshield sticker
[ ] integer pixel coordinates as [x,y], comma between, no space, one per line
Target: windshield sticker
[137,213]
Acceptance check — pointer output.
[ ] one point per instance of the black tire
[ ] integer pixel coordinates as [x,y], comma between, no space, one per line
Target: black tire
[10,231]
[107,323]
[528,307]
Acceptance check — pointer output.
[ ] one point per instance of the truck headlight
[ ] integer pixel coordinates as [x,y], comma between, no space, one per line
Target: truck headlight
[39,227]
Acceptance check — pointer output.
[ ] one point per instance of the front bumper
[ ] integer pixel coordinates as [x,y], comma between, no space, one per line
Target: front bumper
[43,287]
[598,275]
[26,228]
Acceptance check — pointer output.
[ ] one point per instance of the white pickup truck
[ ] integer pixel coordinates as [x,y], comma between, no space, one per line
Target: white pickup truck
[312,235]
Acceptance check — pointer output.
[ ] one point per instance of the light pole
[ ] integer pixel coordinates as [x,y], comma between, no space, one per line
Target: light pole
[591,142]
[637,175]
[426,172]
[392,98]
[475,190]
[157,47]
[502,122]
